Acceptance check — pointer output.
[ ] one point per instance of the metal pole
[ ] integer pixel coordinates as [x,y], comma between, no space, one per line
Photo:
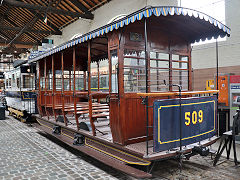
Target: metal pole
[217,61]
[146,69]
[180,112]
[217,85]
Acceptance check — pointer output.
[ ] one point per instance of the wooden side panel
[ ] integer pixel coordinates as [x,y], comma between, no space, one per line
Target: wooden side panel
[130,125]
[115,123]
[135,113]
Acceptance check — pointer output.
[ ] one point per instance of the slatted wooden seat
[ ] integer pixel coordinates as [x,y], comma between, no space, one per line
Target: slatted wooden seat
[85,108]
[100,115]
[79,105]
[94,111]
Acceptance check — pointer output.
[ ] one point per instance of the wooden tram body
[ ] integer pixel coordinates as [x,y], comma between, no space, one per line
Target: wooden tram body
[116,123]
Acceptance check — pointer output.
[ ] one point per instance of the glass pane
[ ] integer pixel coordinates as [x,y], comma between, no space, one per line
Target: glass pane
[175,57]
[94,76]
[79,80]
[134,71]
[163,56]
[156,55]
[114,61]
[157,77]
[58,79]
[104,73]
[134,80]
[134,53]
[180,77]
[184,58]
[28,81]
[184,65]
[159,64]
[176,65]
[134,62]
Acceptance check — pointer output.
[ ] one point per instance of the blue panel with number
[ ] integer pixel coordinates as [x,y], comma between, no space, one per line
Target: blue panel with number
[28,95]
[198,121]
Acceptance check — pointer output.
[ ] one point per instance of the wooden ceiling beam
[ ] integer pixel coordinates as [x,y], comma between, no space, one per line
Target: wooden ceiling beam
[4,36]
[24,30]
[20,42]
[48,23]
[81,7]
[16,28]
[47,9]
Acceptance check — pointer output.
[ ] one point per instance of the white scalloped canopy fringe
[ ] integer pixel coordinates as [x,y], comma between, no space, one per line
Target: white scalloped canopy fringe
[146,12]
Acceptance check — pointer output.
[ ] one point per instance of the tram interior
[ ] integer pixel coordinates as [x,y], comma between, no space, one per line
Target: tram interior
[98,82]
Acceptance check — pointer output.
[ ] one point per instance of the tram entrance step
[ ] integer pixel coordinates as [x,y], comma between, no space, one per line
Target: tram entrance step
[116,153]
[107,159]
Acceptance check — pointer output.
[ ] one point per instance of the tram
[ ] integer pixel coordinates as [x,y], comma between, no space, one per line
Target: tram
[145,110]
[20,90]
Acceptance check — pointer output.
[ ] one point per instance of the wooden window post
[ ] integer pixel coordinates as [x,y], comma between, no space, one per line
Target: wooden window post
[53,89]
[74,87]
[89,89]
[45,93]
[63,95]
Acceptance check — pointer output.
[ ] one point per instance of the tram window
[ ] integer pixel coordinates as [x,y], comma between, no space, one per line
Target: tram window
[179,65]
[134,53]
[94,76]
[66,80]
[114,61]
[159,71]
[58,80]
[28,81]
[160,56]
[159,64]
[42,82]
[180,77]
[104,73]
[180,71]
[184,58]
[175,57]
[9,82]
[79,78]
[13,78]
[134,71]
[18,82]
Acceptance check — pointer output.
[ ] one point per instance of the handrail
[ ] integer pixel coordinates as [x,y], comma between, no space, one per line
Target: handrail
[176,93]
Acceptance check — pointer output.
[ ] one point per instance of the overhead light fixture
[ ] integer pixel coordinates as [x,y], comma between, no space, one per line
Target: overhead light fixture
[15,51]
[45,19]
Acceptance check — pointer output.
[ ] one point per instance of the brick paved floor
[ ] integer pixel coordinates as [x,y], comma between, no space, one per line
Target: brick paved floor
[27,153]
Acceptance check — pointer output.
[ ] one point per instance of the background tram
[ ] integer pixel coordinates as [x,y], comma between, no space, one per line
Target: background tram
[146,58]
[20,90]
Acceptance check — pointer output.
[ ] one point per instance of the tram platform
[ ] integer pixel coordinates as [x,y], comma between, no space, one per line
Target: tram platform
[28,153]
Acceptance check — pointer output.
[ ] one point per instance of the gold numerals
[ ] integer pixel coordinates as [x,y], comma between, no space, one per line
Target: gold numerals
[193,117]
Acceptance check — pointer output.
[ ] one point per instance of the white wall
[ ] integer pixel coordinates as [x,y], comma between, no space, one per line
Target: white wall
[204,56]
[104,14]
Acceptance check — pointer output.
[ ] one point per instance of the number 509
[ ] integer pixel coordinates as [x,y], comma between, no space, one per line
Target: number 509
[195,116]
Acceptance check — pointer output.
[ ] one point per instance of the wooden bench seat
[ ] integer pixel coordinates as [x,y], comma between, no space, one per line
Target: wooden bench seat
[100,115]
[86,108]
[94,111]
[78,105]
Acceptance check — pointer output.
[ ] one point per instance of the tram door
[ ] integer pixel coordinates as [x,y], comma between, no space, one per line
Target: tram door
[114,98]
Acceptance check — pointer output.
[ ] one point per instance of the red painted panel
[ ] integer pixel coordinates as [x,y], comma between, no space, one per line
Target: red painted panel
[235,79]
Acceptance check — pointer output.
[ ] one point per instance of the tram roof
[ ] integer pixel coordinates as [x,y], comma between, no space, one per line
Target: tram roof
[198,25]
